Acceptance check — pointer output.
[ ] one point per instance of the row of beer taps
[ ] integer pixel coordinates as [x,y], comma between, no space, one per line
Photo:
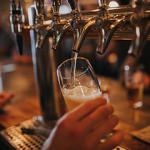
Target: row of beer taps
[106,20]
[105,23]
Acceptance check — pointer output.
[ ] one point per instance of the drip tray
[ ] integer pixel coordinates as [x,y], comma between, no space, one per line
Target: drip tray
[28,135]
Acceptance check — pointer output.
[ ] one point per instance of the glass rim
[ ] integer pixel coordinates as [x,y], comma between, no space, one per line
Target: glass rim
[70,59]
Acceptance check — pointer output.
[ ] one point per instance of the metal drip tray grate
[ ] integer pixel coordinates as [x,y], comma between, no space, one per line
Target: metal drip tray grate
[18,140]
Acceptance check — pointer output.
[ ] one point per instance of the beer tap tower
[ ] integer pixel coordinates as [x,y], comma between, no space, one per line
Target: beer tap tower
[46,32]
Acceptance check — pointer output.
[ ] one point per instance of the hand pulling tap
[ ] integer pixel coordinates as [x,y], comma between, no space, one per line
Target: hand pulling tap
[17,20]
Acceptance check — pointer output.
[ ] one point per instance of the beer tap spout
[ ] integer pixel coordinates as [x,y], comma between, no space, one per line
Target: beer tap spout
[98,22]
[60,35]
[75,22]
[141,35]
[82,36]
[106,36]
[141,24]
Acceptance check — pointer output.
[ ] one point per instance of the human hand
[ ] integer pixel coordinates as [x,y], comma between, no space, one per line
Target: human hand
[5,97]
[82,128]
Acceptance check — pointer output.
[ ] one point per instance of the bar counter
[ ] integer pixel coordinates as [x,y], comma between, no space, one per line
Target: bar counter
[25,105]
[19,81]
[130,119]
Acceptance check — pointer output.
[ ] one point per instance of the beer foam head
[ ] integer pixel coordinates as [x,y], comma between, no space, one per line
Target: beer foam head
[79,93]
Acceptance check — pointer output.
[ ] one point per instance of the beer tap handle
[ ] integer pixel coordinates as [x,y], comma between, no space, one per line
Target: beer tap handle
[19,36]
[39,7]
[141,26]
[100,47]
[56,5]
[105,37]
[16,20]
[79,41]
[60,36]
[13,6]
[102,3]
[101,21]
[140,39]
[12,15]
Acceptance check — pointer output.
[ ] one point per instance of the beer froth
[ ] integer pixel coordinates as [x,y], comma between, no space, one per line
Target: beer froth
[79,94]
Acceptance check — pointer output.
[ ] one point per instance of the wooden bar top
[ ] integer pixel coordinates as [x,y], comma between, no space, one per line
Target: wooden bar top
[130,119]
[19,81]
[25,105]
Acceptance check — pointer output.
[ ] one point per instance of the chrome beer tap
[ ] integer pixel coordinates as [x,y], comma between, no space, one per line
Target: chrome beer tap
[75,22]
[57,25]
[100,22]
[45,67]
[39,7]
[102,32]
[105,35]
[39,19]
[94,21]
[17,21]
[141,24]
[70,25]
[47,31]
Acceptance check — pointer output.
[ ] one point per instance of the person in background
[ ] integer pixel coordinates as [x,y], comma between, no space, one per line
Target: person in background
[86,129]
